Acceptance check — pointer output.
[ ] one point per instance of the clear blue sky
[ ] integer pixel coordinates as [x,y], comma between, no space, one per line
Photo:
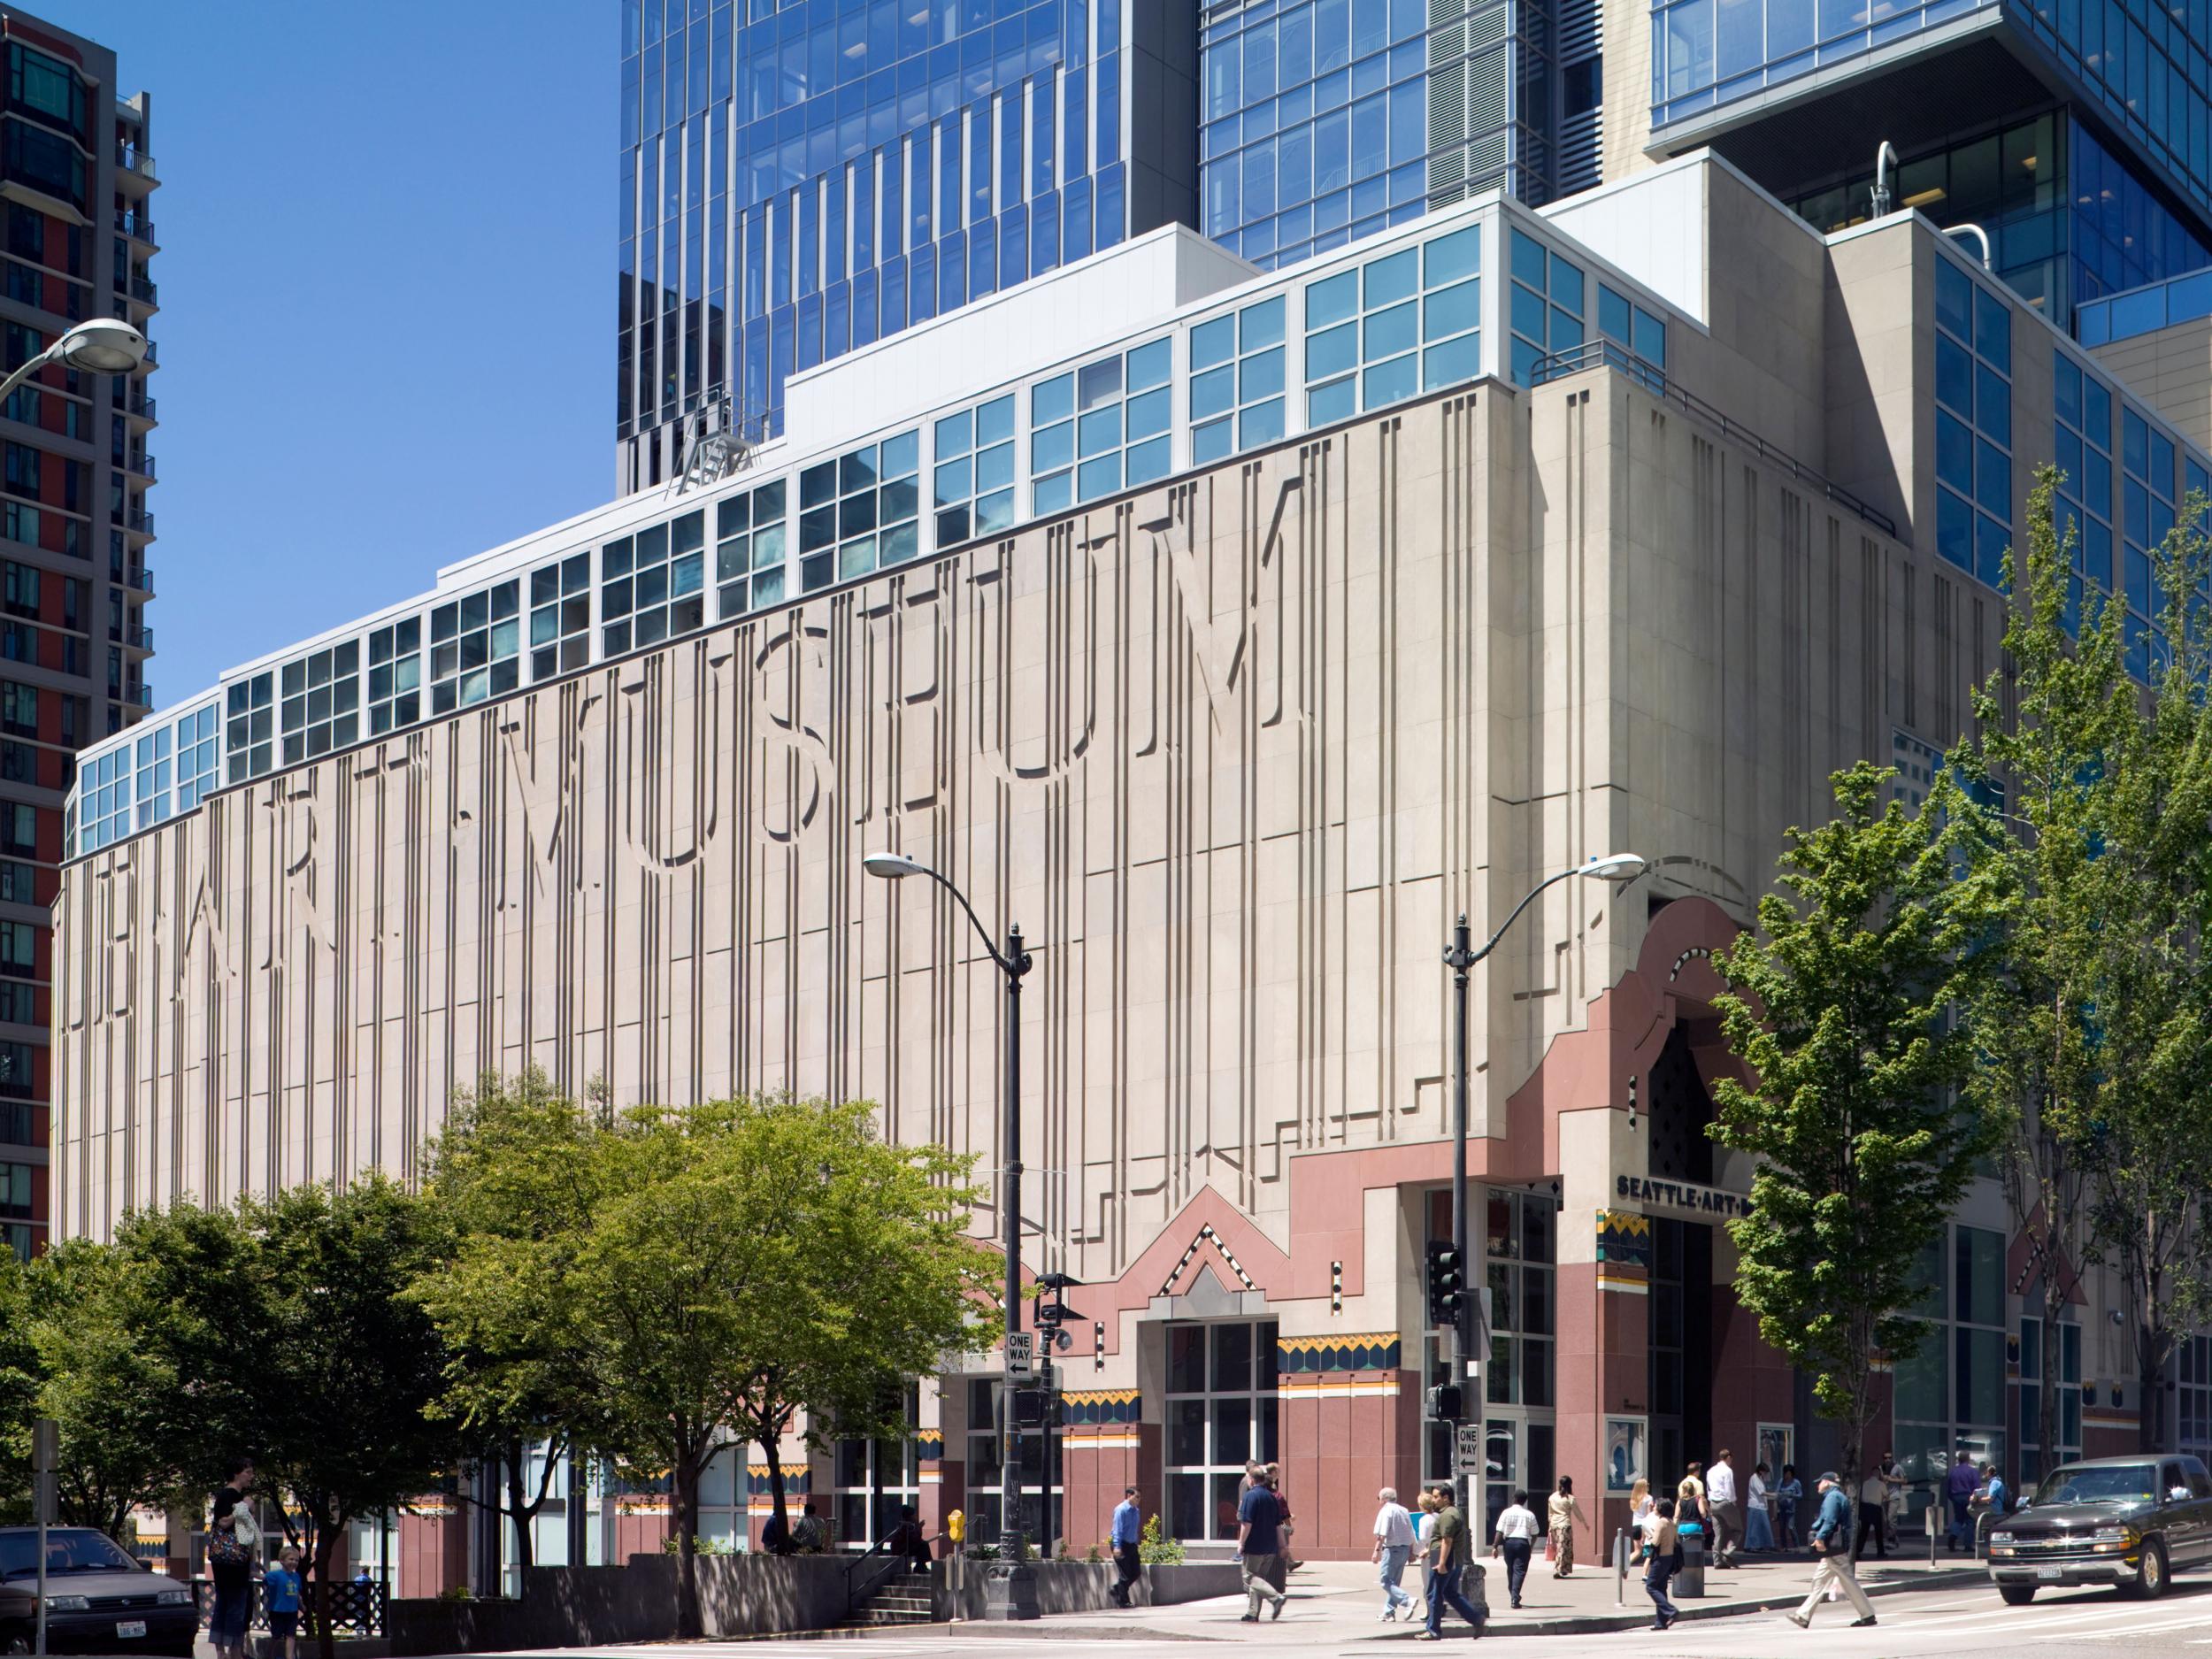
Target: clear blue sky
[386,324]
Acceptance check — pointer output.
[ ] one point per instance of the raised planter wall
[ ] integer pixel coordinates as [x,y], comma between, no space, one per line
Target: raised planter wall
[573,1606]
[1080,1587]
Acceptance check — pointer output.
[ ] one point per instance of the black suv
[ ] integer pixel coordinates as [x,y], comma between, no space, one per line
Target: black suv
[2133,1522]
[99,1599]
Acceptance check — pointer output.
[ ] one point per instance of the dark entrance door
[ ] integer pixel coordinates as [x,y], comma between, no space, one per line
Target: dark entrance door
[1681,1348]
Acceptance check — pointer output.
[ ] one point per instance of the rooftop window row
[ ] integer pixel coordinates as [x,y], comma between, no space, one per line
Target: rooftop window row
[1240,374]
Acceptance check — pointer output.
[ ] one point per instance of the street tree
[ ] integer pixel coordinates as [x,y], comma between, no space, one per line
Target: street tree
[1838,1006]
[879,1227]
[694,1262]
[2150,1139]
[125,1423]
[504,1307]
[2058,735]
[303,1349]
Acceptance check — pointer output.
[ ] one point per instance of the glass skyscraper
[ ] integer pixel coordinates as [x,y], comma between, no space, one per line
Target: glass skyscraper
[1327,121]
[2074,133]
[800,179]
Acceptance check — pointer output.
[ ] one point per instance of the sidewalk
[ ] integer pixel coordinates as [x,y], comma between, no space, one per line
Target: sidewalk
[1339,1601]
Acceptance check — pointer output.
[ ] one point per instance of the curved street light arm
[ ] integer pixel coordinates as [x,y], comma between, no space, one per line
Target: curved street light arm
[31,367]
[1013,969]
[1490,944]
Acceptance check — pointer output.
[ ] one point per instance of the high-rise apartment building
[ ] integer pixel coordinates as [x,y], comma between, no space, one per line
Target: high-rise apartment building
[800,181]
[77,173]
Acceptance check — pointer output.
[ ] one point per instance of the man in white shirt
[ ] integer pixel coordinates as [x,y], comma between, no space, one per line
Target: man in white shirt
[1519,1529]
[1727,1514]
[1393,1545]
[1873,1506]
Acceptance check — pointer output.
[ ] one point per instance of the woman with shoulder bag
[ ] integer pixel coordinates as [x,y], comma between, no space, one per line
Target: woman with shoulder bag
[1662,1558]
[234,1543]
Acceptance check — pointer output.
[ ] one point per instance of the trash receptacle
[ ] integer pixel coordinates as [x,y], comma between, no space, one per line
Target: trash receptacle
[1691,1579]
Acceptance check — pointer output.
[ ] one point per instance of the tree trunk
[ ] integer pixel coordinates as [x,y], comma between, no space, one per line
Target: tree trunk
[2053,1302]
[770,1447]
[689,1626]
[326,1548]
[2153,1351]
[520,1508]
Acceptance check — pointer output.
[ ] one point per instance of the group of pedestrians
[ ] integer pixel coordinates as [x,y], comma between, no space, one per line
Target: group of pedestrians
[1970,1491]
[1438,1538]
[1704,1504]
[1707,1502]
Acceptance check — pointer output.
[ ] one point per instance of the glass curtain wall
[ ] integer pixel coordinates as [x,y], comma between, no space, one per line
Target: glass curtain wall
[797,180]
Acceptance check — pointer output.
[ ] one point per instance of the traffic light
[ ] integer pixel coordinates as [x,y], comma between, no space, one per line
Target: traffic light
[1446,1282]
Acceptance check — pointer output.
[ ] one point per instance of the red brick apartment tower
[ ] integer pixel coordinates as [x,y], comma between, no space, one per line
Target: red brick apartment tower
[76,239]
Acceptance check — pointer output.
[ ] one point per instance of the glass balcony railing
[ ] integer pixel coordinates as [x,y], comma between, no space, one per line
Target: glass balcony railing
[133,223]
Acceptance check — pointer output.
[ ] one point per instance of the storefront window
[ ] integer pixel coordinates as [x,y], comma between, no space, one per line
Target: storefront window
[872,1479]
[1951,1392]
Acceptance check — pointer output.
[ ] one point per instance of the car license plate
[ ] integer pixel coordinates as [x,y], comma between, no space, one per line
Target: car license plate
[2050,1572]
[130,1627]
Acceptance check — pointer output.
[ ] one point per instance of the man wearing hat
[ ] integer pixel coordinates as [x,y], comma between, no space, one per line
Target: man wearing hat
[1830,1539]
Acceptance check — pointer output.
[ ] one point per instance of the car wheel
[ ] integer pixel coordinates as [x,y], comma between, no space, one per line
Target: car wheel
[2150,1584]
[2016,1594]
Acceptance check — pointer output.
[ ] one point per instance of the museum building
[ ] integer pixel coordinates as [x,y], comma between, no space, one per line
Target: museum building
[1231,632]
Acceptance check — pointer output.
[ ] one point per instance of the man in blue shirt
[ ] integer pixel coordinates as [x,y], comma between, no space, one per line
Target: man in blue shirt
[1128,1565]
[1959,1487]
[1830,1539]
[1990,1498]
[1260,1549]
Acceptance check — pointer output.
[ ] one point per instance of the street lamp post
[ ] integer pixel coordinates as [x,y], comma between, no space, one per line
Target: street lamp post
[99,345]
[1013,1583]
[1619,868]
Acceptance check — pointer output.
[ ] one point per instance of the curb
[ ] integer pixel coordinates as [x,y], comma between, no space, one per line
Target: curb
[1602,1623]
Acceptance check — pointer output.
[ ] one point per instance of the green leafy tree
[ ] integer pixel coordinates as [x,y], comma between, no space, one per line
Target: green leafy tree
[711,1268]
[287,1323]
[1838,1005]
[2056,746]
[880,1278]
[125,1428]
[504,1307]
[2150,1137]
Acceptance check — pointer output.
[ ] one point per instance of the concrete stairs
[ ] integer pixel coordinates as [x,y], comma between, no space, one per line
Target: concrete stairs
[903,1599]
